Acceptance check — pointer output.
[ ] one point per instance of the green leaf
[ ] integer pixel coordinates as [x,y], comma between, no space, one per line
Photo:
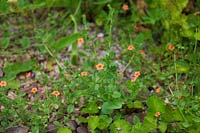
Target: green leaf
[58,124]
[182,67]
[5,42]
[13,84]
[150,123]
[70,108]
[116,94]
[108,107]
[136,104]
[155,105]
[64,130]
[120,126]
[163,127]
[197,34]
[93,122]
[66,41]
[4,7]
[171,115]
[91,108]
[82,119]
[25,42]
[11,70]
[104,122]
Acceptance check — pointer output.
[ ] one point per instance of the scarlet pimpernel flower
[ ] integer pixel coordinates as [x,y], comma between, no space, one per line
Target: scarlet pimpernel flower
[158,90]
[3,83]
[133,79]
[55,93]
[66,75]
[130,47]
[99,66]
[125,7]
[157,114]
[171,47]
[137,74]
[84,73]
[80,41]
[34,90]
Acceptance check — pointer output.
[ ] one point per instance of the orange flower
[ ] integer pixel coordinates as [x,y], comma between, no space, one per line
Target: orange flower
[28,74]
[80,41]
[66,75]
[55,93]
[158,90]
[133,79]
[125,7]
[130,47]
[83,73]
[157,114]
[196,13]
[99,66]
[3,83]
[137,74]
[171,47]
[34,90]
[180,97]
[141,52]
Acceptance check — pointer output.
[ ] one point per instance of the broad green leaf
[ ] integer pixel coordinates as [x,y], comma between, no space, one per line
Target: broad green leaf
[13,84]
[155,104]
[138,128]
[163,127]
[70,108]
[108,107]
[25,42]
[197,35]
[58,124]
[182,67]
[136,119]
[104,122]
[150,123]
[120,126]
[116,94]
[82,119]
[5,42]
[171,115]
[64,130]
[136,104]
[91,108]
[93,122]
[11,70]
[65,41]
[4,7]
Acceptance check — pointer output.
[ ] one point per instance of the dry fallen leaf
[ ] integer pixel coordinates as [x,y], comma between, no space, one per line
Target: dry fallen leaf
[11,95]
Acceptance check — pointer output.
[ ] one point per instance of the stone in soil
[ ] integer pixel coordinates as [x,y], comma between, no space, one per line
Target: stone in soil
[17,129]
[82,130]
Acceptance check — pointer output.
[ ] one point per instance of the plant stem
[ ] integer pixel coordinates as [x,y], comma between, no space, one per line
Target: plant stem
[128,63]
[51,54]
[176,74]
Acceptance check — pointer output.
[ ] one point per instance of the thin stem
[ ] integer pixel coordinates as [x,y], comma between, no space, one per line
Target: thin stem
[176,74]
[128,63]
[51,54]
[179,109]
[110,24]
[195,46]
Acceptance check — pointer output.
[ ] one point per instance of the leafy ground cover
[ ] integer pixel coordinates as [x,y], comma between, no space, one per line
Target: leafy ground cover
[100,66]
